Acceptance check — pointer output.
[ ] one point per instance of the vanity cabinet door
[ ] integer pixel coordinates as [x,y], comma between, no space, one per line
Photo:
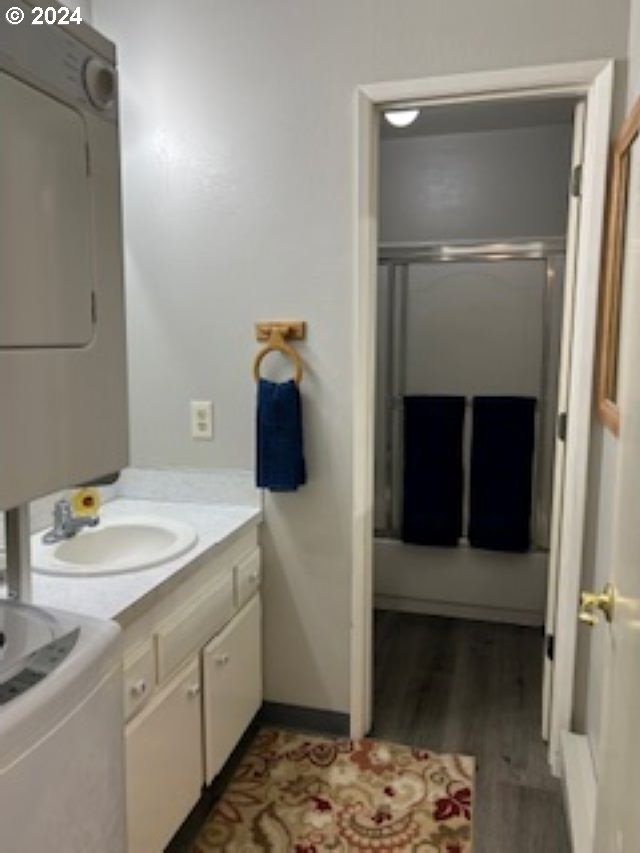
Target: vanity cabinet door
[164,762]
[232,673]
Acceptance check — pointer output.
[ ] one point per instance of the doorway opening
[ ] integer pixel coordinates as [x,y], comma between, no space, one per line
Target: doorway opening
[473,213]
[588,82]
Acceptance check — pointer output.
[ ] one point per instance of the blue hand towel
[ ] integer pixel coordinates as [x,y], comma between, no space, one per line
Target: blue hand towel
[280,456]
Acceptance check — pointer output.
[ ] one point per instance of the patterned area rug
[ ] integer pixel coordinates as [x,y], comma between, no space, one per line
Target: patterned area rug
[306,794]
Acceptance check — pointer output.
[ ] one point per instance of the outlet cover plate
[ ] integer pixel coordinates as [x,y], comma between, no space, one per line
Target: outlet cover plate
[201,420]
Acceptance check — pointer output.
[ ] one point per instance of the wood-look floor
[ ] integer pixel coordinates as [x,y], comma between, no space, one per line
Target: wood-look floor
[453,685]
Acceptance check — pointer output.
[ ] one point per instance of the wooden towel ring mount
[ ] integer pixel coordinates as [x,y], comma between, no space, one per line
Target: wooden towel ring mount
[276,334]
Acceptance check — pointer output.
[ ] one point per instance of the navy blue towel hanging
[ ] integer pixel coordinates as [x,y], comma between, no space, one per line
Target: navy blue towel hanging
[280,465]
[501,473]
[433,476]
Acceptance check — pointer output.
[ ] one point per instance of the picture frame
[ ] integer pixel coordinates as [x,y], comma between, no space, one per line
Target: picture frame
[624,151]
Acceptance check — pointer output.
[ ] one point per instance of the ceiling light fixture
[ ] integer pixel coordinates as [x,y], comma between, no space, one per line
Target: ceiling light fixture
[401,118]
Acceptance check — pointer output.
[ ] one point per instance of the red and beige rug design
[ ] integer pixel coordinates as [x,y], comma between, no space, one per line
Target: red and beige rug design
[298,794]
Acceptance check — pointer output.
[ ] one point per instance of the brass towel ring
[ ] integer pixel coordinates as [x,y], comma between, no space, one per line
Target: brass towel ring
[278,343]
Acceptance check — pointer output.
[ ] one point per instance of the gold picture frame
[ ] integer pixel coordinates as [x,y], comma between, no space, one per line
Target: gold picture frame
[613,273]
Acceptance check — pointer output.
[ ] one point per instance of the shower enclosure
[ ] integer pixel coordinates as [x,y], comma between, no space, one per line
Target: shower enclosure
[467,319]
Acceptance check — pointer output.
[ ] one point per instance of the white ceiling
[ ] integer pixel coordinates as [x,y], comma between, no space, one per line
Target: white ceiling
[495,115]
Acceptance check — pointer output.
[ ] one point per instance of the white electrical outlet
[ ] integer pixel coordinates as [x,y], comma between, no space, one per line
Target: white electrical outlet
[202,419]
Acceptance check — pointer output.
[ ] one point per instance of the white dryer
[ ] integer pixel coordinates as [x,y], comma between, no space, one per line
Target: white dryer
[61,733]
[62,332]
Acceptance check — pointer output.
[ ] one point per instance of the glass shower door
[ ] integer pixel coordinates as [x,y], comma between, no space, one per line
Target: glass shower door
[470,328]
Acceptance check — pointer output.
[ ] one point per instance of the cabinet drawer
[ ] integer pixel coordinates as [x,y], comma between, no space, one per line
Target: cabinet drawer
[190,628]
[164,762]
[248,575]
[232,685]
[139,678]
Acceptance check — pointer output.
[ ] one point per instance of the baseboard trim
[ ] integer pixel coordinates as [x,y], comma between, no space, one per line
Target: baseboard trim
[579,788]
[456,610]
[305,719]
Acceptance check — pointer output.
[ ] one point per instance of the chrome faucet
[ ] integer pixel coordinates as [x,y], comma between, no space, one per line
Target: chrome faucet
[66,524]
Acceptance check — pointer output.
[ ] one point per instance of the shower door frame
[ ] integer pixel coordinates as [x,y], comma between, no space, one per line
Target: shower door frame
[398,258]
[593,82]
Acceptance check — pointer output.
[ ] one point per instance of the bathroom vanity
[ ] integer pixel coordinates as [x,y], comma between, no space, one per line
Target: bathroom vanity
[192,657]
[192,685]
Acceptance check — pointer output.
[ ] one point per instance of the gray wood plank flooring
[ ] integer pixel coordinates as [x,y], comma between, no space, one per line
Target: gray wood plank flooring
[454,685]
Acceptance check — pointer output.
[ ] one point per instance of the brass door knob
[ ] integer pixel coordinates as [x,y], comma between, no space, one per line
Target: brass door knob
[591,602]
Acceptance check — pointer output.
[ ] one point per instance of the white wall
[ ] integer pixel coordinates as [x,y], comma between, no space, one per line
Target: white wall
[436,187]
[237,123]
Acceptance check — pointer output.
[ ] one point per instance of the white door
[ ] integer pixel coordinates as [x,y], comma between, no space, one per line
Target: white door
[563,400]
[618,812]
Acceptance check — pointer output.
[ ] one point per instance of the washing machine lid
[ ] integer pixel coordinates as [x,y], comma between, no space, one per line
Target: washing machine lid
[32,643]
[94,658]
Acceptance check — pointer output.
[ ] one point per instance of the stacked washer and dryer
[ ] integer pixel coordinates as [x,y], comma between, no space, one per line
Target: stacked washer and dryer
[63,421]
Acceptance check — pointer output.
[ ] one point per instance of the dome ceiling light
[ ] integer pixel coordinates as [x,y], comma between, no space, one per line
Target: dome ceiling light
[401,118]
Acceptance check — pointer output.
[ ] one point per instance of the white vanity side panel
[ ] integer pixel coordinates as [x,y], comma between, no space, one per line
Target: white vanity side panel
[83,754]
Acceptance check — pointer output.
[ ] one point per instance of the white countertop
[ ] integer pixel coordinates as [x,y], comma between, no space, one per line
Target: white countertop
[123,596]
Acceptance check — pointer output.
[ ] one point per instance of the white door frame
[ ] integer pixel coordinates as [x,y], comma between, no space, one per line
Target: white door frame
[564,375]
[592,80]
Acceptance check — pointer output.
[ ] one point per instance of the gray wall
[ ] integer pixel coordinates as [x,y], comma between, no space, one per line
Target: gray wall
[437,187]
[237,126]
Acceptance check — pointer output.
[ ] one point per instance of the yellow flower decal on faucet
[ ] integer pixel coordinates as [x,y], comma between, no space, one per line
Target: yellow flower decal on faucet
[85,502]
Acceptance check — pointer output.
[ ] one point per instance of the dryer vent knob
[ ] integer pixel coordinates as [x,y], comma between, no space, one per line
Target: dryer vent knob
[100,83]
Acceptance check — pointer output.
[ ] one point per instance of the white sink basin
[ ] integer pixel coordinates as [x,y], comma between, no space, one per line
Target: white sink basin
[114,547]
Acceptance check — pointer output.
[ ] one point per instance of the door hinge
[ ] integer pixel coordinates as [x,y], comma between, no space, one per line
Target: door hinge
[550,641]
[562,426]
[94,308]
[87,156]
[576,181]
